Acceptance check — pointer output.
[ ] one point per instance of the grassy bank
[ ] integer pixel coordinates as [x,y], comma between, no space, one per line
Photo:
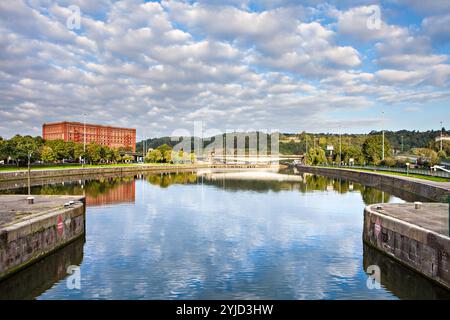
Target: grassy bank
[416,176]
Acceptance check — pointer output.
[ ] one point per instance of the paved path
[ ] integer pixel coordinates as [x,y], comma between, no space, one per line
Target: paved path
[431,216]
[14,208]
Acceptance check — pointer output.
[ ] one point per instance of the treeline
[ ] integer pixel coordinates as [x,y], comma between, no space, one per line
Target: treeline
[400,141]
[347,149]
[154,143]
[165,154]
[19,149]
[371,152]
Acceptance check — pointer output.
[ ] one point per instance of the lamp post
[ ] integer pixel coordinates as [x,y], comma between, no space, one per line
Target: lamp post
[144,148]
[382,126]
[84,139]
[306,143]
[29,173]
[441,136]
[340,145]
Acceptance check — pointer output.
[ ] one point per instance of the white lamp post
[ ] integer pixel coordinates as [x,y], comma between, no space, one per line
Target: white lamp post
[382,126]
[84,139]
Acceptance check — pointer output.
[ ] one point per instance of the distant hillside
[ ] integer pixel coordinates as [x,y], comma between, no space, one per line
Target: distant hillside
[294,143]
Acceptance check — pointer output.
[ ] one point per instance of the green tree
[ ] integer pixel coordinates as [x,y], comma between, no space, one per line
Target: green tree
[154,156]
[389,162]
[373,150]
[338,159]
[104,154]
[316,156]
[63,150]
[442,155]
[47,154]
[434,159]
[3,149]
[94,153]
[166,152]
[116,155]
[23,146]
[78,152]
[354,152]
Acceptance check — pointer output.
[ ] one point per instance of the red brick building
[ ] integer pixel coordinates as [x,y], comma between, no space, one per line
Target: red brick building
[104,135]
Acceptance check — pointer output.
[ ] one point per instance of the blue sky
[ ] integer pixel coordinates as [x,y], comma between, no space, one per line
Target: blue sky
[235,65]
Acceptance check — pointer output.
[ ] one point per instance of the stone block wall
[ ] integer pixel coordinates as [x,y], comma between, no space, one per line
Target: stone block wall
[424,251]
[24,243]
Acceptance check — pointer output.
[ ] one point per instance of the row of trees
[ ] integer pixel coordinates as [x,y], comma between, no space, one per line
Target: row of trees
[18,149]
[166,154]
[371,152]
[401,141]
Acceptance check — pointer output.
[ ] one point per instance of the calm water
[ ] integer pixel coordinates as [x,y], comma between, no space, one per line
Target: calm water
[212,235]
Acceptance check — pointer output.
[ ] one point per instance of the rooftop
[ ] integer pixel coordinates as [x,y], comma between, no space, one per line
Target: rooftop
[87,124]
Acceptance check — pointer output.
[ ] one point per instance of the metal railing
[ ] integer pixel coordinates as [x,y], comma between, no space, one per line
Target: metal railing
[423,172]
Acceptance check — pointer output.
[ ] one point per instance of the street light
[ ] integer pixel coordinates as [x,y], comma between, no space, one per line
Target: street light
[306,143]
[441,135]
[84,139]
[382,127]
[29,173]
[340,145]
[144,147]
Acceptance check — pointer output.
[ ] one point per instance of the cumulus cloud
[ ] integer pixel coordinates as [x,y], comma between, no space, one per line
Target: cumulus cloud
[437,27]
[157,66]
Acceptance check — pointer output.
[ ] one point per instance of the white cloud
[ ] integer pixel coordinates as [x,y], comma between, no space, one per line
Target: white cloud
[411,61]
[356,22]
[437,27]
[158,65]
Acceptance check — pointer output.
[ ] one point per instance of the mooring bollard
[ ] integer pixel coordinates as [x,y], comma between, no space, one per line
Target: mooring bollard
[30,200]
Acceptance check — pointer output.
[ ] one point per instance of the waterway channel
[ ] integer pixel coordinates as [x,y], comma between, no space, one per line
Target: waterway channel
[219,235]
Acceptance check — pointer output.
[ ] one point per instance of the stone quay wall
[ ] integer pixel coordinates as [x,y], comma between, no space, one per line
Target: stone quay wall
[423,189]
[422,250]
[26,242]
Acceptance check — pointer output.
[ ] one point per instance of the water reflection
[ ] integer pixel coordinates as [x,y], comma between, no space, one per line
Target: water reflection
[220,235]
[121,191]
[115,190]
[403,282]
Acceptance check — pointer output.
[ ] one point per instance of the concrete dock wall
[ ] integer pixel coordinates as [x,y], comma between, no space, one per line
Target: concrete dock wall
[26,242]
[40,174]
[51,173]
[422,250]
[42,275]
[389,183]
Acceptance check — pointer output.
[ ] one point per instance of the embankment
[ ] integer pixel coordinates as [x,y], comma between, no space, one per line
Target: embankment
[427,190]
